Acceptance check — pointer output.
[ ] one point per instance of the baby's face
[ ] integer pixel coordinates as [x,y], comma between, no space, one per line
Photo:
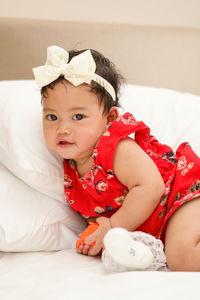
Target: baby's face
[73,120]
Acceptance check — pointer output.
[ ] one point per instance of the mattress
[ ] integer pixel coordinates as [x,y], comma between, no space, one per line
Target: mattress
[66,275]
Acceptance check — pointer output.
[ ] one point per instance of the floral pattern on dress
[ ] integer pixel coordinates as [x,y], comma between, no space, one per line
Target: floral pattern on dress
[194,187]
[106,133]
[96,170]
[152,153]
[128,119]
[184,166]
[100,186]
[110,173]
[67,182]
[182,163]
[85,217]
[119,200]
[99,210]
[170,156]
[95,152]
[67,198]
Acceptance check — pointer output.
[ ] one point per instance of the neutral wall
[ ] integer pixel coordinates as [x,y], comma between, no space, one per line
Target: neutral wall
[154,56]
[175,13]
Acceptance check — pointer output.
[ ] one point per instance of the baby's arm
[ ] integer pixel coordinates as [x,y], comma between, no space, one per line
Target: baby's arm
[136,170]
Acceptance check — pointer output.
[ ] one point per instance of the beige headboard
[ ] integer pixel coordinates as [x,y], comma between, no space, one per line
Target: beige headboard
[153,56]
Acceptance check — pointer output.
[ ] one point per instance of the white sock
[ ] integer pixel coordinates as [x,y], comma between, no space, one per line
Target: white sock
[126,251]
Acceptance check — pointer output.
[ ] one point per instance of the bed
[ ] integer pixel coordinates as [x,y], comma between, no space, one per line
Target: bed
[37,229]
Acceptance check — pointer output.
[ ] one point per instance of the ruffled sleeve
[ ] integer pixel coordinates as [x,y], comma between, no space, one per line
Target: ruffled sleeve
[123,127]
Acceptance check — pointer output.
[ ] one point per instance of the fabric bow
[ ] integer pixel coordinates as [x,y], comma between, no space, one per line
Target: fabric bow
[81,69]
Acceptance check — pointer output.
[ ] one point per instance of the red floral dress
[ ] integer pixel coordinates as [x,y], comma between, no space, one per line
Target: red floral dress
[99,193]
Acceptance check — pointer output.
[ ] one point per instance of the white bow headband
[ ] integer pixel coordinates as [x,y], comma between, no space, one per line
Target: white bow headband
[81,69]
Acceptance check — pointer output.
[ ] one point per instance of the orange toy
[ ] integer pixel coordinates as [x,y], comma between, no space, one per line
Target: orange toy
[89,230]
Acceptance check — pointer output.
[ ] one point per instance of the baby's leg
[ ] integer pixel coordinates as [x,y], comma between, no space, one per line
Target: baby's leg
[182,242]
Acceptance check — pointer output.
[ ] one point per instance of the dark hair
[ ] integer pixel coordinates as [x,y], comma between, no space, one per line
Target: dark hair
[106,69]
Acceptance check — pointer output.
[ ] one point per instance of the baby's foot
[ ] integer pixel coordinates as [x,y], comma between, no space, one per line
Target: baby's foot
[125,251]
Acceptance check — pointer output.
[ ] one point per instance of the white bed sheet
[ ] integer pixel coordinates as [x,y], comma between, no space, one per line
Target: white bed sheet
[67,275]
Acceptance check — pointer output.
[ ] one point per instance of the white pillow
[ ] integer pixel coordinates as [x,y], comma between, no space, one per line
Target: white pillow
[31,221]
[22,148]
[172,116]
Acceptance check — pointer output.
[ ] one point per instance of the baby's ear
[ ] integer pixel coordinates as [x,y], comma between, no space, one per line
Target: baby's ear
[112,115]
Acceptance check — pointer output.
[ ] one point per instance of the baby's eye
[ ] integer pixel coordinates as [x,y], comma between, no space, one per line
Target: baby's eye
[78,117]
[51,117]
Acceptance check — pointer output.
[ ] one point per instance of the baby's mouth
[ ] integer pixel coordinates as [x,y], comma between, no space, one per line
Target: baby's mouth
[64,143]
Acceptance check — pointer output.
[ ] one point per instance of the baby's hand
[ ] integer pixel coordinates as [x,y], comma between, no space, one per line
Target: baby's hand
[91,239]
[81,246]
[96,238]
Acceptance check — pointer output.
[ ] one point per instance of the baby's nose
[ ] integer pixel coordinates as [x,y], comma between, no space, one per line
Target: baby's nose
[63,129]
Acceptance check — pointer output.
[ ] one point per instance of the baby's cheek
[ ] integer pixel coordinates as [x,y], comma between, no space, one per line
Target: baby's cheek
[48,137]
